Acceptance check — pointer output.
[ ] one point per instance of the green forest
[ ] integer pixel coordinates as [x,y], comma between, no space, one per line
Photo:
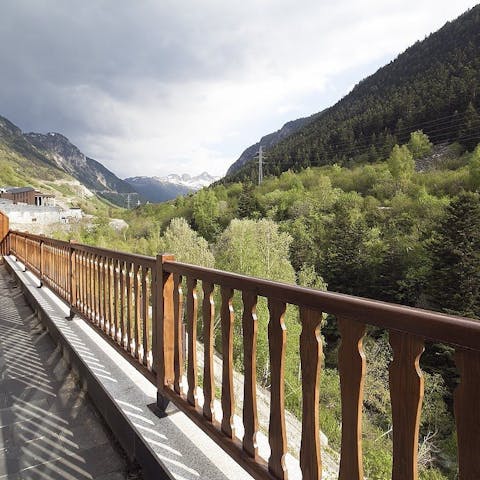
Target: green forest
[403,230]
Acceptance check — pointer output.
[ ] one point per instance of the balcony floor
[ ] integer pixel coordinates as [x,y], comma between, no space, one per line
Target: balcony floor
[48,427]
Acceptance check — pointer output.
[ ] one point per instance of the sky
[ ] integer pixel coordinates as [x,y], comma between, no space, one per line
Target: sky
[152,87]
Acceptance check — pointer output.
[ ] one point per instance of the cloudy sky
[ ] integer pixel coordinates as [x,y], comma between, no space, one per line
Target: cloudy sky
[151,87]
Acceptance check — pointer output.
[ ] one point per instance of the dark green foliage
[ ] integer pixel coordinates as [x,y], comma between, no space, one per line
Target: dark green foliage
[248,206]
[454,284]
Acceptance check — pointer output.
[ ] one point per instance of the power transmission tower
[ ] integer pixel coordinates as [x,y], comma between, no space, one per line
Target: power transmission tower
[260,165]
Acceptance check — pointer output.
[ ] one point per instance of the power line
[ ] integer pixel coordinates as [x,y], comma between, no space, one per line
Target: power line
[365,149]
[440,130]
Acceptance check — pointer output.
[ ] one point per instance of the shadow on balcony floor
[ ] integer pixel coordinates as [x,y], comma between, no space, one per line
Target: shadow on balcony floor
[48,428]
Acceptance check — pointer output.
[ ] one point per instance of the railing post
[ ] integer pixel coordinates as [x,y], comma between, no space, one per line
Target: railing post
[163,329]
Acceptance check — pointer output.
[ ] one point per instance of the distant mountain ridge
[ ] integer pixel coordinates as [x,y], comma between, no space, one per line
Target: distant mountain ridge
[95,176]
[270,140]
[161,189]
[433,86]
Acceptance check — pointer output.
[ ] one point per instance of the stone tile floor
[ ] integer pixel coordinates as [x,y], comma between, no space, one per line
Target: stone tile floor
[48,427]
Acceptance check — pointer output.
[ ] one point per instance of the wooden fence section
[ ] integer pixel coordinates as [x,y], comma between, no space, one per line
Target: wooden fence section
[111,289]
[141,304]
[408,329]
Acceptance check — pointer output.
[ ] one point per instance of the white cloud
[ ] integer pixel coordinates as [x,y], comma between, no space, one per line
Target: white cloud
[160,87]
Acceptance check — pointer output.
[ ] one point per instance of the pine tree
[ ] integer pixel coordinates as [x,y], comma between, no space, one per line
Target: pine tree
[454,285]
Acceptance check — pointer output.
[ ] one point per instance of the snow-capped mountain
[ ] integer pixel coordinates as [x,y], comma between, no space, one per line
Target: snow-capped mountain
[195,183]
[161,189]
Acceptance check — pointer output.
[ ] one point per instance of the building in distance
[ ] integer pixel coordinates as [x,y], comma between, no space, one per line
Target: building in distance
[27,195]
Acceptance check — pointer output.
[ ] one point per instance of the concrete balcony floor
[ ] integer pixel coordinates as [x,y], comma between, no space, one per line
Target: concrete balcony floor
[48,427]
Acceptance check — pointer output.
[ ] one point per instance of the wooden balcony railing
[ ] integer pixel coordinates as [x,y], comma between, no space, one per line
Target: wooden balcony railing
[137,302]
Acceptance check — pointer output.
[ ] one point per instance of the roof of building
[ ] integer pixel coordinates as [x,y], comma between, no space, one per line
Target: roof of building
[25,190]
[20,189]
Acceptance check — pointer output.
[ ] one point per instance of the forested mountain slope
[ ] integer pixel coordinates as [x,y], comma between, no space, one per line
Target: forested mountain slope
[270,140]
[433,86]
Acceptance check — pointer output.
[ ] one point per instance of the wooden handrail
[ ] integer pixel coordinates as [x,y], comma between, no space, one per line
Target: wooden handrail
[138,302]
[430,325]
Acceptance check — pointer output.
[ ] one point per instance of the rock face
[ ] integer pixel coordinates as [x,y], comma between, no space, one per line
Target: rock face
[88,171]
[161,189]
[268,141]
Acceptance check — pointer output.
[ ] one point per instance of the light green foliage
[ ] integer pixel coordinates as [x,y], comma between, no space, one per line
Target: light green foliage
[308,277]
[419,144]
[206,213]
[187,245]
[401,164]
[256,248]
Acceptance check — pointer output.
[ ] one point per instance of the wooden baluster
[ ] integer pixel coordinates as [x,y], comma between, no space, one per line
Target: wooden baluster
[73,278]
[83,277]
[406,394]
[96,290]
[208,314]
[192,341]
[105,294]
[66,270]
[60,272]
[123,333]
[228,393]
[249,326]
[116,319]
[178,333]
[109,297]
[277,434]
[100,291]
[66,275]
[145,305]
[310,357]
[151,318]
[137,325]
[351,366]
[467,413]
[128,275]
[90,286]
[79,259]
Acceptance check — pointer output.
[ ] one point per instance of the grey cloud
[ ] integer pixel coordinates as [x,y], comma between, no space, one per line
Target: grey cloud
[51,50]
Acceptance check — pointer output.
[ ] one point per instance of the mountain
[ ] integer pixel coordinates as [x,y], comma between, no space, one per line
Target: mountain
[88,171]
[433,86]
[54,165]
[161,189]
[270,140]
